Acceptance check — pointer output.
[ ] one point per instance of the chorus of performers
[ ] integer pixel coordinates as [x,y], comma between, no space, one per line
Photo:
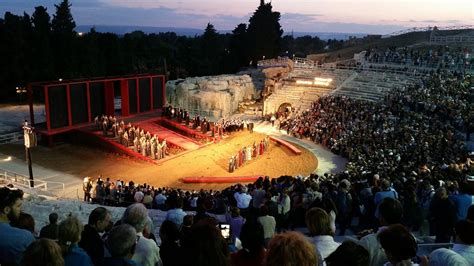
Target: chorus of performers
[246,153]
[216,128]
[132,136]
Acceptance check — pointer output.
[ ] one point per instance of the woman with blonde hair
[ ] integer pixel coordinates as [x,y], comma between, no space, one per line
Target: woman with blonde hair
[43,252]
[321,234]
[69,235]
[290,248]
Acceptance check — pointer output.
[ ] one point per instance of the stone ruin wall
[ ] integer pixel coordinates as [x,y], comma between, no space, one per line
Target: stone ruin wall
[212,96]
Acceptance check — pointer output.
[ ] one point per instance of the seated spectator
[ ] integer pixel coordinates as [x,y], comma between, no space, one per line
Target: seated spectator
[236,222]
[205,246]
[147,252]
[14,241]
[319,226]
[253,249]
[175,212]
[25,221]
[243,200]
[43,252]
[170,250]
[69,234]
[121,244]
[268,222]
[464,244]
[390,213]
[160,200]
[290,248]
[444,256]
[148,230]
[90,241]
[51,230]
[399,245]
[348,253]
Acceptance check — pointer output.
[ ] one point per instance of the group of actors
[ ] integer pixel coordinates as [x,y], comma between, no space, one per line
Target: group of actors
[145,143]
[247,153]
[216,128]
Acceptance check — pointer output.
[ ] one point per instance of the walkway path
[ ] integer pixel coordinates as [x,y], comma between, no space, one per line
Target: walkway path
[328,162]
[55,179]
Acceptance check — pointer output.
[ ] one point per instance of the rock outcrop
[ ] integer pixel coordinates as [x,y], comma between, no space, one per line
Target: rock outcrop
[211,96]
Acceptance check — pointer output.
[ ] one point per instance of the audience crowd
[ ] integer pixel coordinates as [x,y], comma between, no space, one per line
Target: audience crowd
[408,180]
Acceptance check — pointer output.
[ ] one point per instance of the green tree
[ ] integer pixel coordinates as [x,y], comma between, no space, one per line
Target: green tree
[264,33]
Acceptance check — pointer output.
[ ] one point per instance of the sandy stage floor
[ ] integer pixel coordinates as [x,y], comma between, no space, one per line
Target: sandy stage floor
[211,160]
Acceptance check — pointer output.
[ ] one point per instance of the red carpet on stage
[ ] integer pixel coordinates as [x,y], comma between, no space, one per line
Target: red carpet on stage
[221,179]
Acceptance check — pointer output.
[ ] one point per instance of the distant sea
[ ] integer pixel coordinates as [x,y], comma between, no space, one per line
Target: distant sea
[190,32]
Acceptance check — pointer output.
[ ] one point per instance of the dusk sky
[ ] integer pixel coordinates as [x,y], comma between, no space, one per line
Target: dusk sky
[356,16]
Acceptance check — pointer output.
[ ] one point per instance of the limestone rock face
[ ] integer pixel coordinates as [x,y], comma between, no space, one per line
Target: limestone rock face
[211,96]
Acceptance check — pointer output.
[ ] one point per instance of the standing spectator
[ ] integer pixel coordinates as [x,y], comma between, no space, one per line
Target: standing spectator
[253,249]
[170,250]
[43,252]
[147,252]
[243,200]
[268,223]
[462,201]
[14,241]
[284,205]
[90,241]
[235,221]
[344,206]
[391,212]
[442,216]
[51,230]
[319,226]
[69,234]
[399,244]
[290,248]
[121,244]
[387,192]
[205,245]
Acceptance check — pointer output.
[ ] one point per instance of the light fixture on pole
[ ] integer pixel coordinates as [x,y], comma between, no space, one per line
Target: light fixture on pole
[30,141]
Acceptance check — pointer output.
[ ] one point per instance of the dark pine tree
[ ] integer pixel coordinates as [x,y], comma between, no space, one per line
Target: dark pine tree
[238,54]
[42,65]
[264,33]
[64,41]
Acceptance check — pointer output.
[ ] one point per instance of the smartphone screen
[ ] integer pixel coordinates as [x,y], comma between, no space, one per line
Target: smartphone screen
[225,230]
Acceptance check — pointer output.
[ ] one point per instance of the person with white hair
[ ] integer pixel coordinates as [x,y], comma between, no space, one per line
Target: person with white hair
[121,243]
[444,256]
[147,252]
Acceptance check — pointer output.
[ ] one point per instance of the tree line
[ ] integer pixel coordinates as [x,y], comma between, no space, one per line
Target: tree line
[41,47]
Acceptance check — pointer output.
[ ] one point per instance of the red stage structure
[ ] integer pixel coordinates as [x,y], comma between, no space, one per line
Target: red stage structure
[75,103]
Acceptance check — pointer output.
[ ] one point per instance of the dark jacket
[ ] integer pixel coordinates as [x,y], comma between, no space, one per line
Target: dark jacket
[92,244]
[49,231]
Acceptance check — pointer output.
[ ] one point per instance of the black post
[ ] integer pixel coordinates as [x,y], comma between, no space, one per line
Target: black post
[30,169]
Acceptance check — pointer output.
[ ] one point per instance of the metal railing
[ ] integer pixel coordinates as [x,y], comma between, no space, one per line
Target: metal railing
[10,177]
[11,137]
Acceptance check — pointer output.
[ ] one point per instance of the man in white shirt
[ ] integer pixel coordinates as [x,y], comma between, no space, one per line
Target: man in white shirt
[391,212]
[268,223]
[243,200]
